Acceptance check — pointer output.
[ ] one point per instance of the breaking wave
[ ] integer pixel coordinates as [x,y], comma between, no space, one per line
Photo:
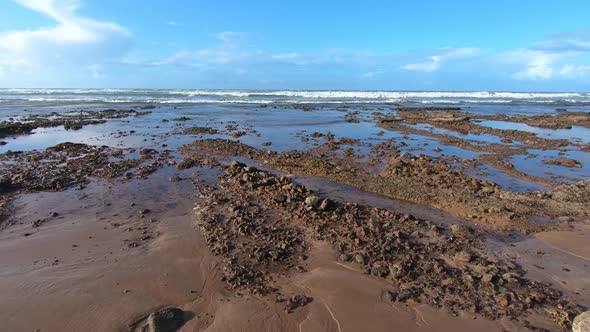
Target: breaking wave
[175,96]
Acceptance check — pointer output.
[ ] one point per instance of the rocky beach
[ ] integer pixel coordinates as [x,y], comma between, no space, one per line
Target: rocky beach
[293,212]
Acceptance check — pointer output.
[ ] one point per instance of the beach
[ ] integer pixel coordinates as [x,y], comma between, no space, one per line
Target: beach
[268,210]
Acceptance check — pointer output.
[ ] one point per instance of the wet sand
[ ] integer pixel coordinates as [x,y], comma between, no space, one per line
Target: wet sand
[102,248]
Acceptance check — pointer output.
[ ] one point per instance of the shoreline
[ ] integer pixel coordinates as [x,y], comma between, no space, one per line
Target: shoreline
[131,205]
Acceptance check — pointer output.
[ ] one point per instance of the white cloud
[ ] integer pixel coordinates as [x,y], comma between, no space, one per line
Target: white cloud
[370,75]
[73,39]
[429,66]
[229,49]
[435,62]
[544,65]
[558,58]
[172,23]
[570,71]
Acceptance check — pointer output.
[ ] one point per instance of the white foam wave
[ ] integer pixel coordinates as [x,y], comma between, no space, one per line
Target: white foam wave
[165,96]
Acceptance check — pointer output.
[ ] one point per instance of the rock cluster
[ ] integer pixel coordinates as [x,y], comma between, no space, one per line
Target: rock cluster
[259,221]
[255,240]
[68,164]
[70,121]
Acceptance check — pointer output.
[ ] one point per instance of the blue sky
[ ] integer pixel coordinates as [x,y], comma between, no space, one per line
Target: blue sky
[381,45]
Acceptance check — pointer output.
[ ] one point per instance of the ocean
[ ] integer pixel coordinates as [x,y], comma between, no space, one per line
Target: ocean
[48,97]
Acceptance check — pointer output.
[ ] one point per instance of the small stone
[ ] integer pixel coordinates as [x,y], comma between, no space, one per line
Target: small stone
[463,257]
[296,301]
[379,271]
[503,300]
[388,296]
[360,258]
[312,200]
[325,204]
[5,182]
[404,295]
[281,198]
[344,257]
[565,219]
[236,164]
[459,229]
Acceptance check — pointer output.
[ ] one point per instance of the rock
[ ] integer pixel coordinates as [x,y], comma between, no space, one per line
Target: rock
[388,296]
[166,320]
[374,224]
[312,200]
[5,182]
[360,258]
[344,257]
[565,219]
[379,271]
[395,270]
[246,177]
[463,257]
[281,198]
[562,161]
[457,229]
[404,295]
[237,164]
[251,169]
[503,300]
[582,322]
[325,204]
[296,301]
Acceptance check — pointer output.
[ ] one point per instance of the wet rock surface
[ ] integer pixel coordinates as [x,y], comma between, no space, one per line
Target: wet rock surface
[422,179]
[567,162]
[165,320]
[69,165]
[70,121]
[244,222]
[262,228]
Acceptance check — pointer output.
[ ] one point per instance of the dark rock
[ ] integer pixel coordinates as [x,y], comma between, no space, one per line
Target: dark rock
[404,295]
[344,257]
[296,301]
[5,182]
[325,205]
[562,161]
[166,320]
[312,200]
[388,296]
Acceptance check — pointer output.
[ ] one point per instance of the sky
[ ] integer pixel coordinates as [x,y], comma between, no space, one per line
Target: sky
[460,45]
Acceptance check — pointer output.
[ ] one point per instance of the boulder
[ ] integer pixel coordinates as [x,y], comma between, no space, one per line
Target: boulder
[166,320]
[582,322]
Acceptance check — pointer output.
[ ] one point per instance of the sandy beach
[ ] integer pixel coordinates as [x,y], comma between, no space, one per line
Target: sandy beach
[293,216]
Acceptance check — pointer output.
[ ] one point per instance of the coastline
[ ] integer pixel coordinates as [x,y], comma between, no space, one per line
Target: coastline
[157,206]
